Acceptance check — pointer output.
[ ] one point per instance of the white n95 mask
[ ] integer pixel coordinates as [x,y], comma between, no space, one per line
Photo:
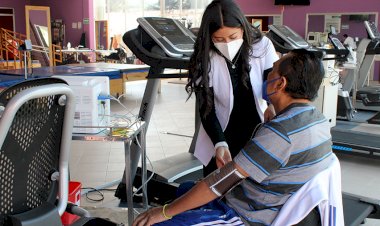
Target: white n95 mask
[229,49]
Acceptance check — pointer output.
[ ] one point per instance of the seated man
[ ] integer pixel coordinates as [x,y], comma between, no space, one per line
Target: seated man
[282,156]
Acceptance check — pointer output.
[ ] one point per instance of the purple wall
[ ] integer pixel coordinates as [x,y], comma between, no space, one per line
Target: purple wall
[19,11]
[70,11]
[295,16]
[258,7]
[73,11]
[38,17]
[355,28]
[316,23]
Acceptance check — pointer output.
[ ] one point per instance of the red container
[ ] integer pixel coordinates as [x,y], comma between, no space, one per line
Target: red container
[74,197]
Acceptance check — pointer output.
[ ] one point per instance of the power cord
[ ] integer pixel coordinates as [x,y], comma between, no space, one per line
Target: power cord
[98,193]
[121,104]
[103,103]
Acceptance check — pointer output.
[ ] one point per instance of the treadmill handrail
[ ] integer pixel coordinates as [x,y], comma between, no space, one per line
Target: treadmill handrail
[149,58]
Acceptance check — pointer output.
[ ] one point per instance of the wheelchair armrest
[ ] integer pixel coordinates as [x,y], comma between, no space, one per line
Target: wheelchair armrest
[46,214]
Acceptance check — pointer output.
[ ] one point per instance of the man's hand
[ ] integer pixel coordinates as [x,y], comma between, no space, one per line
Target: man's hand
[222,156]
[150,217]
[269,113]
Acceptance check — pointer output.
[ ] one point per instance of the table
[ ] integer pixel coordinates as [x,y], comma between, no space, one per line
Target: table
[103,52]
[63,70]
[118,73]
[128,72]
[75,51]
[115,132]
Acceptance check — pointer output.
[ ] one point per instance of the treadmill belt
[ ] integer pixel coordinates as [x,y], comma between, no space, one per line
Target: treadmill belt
[375,119]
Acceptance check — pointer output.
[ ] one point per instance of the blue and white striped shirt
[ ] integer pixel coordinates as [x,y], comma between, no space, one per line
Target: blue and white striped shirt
[284,154]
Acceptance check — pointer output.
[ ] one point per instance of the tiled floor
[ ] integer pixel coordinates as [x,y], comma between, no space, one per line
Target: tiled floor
[96,163]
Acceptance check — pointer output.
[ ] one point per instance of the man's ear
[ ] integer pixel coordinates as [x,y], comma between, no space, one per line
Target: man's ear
[281,85]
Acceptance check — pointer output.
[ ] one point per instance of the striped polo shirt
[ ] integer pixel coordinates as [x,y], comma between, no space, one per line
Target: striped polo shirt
[284,154]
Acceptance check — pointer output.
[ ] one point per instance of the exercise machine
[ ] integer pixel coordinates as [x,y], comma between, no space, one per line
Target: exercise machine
[161,43]
[369,96]
[358,131]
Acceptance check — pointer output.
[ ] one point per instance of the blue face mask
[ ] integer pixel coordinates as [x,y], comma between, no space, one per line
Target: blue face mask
[265,92]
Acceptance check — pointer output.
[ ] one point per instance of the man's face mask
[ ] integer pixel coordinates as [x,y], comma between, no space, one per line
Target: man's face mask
[265,94]
[229,49]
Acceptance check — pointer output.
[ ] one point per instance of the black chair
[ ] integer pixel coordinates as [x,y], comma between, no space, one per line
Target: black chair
[35,136]
[119,57]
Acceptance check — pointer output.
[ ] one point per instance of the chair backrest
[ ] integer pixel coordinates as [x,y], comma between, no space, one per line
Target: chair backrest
[324,191]
[35,135]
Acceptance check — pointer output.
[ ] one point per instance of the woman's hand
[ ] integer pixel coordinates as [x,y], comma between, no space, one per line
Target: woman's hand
[151,216]
[269,113]
[222,156]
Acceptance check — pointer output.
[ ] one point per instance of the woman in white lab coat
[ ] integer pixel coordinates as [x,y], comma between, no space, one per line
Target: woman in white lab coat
[230,62]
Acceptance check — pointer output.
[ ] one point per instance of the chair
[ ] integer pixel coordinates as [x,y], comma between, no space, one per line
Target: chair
[119,57]
[324,191]
[35,136]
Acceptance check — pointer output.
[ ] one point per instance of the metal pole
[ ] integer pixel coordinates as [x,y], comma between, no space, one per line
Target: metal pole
[25,68]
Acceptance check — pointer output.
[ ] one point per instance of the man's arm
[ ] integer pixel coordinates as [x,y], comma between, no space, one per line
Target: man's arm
[199,195]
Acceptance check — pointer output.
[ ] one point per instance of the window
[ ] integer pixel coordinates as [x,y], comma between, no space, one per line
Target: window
[122,14]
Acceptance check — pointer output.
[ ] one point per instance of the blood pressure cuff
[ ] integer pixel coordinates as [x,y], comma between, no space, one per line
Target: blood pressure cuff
[224,179]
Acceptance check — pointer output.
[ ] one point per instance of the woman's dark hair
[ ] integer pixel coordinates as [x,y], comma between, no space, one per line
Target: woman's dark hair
[304,72]
[218,13]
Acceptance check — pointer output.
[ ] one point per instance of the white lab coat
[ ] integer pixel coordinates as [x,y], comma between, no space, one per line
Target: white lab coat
[219,78]
[324,191]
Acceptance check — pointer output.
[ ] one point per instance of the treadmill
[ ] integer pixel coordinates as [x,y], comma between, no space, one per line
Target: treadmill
[161,43]
[358,133]
[285,39]
[369,96]
[356,208]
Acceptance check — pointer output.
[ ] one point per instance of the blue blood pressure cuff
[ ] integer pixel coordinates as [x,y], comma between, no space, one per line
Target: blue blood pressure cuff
[224,179]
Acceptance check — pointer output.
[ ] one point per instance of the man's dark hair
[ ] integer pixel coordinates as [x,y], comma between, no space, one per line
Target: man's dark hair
[304,72]
[345,35]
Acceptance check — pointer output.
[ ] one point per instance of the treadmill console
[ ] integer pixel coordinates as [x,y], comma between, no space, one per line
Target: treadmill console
[372,30]
[170,34]
[373,47]
[290,37]
[336,43]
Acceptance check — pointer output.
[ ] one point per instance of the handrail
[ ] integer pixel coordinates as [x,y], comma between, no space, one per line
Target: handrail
[9,43]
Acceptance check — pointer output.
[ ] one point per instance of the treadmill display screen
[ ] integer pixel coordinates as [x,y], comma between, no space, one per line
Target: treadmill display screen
[165,27]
